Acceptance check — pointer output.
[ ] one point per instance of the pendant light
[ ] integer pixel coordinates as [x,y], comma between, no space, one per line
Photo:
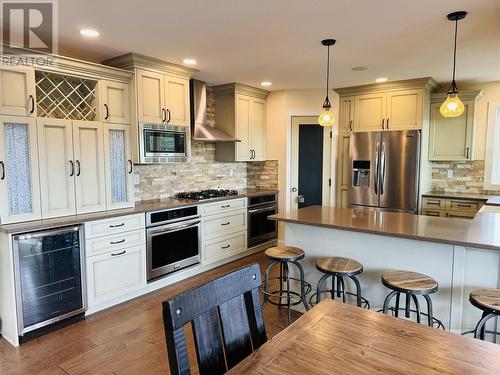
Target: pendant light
[326,117]
[453,106]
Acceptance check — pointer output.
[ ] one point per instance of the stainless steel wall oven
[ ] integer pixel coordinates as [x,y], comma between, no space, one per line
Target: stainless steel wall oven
[260,229]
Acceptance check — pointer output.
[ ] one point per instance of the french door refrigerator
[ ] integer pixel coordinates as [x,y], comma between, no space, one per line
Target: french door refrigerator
[385,170]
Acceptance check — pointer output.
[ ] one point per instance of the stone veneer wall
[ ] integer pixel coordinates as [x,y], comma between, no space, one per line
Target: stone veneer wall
[468,177]
[203,171]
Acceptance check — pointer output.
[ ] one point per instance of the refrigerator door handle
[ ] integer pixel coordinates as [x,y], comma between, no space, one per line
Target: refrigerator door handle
[382,168]
[376,174]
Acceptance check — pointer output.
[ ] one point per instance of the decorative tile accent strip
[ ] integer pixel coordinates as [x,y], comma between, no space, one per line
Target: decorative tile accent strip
[468,177]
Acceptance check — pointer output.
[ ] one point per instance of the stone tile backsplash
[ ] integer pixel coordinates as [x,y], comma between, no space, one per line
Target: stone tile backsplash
[468,177]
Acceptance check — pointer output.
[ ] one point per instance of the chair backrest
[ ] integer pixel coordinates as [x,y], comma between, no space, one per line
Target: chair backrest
[226,320]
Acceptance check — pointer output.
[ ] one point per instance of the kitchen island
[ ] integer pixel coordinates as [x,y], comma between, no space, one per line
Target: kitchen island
[460,254]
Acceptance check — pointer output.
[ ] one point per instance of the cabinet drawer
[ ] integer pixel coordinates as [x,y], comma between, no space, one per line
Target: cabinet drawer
[430,212]
[223,206]
[225,247]
[221,225]
[460,215]
[114,274]
[120,224]
[433,203]
[463,205]
[99,245]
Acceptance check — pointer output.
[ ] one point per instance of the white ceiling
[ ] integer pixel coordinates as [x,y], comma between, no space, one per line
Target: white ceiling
[279,40]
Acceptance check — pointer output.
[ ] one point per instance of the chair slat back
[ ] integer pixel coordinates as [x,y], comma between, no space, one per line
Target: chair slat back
[226,319]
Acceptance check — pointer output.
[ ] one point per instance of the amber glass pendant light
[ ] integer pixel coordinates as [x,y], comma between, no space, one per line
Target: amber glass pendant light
[326,118]
[453,106]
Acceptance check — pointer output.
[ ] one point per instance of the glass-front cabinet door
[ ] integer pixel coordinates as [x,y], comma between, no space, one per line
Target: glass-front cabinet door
[19,179]
[118,166]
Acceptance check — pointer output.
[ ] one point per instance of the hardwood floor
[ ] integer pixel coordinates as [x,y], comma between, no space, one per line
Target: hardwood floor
[125,339]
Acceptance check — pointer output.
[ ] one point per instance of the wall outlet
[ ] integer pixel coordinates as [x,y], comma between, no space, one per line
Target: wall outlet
[231,172]
[135,180]
[450,173]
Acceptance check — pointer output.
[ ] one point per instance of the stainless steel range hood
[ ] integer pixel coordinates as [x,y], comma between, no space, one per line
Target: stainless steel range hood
[200,130]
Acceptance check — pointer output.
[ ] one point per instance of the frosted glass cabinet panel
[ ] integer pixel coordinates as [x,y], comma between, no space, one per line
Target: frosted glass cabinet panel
[119,167]
[19,183]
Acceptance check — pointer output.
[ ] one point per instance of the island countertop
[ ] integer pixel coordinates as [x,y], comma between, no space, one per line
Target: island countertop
[481,232]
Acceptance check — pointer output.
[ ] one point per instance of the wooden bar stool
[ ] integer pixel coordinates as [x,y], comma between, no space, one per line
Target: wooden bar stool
[488,301]
[285,255]
[337,268]
[411,284]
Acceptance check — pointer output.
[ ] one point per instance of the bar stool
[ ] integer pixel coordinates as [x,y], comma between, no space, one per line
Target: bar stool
[488,301]
[337,268]
[412,284]
[285,255]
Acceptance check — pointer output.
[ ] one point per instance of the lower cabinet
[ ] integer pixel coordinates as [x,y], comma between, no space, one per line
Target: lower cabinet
[451,207]
[225,247]
[116,273]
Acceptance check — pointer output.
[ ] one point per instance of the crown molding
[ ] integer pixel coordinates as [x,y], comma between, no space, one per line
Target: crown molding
[132,60]
[426,83]
[240,88]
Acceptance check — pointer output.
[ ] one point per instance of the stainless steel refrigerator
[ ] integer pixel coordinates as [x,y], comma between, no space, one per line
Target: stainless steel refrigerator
[385,170]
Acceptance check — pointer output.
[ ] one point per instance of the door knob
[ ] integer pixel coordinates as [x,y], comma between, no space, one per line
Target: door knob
[294,190]
[300,199]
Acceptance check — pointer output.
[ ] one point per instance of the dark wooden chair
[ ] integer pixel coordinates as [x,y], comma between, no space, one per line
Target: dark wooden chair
[226,320]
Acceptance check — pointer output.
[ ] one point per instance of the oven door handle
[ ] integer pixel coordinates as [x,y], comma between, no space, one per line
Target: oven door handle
[257,210]
[174,228]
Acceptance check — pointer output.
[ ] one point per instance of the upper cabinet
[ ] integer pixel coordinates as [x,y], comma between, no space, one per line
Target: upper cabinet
[241,113]
[451,138]
[177,100]
[17,91]
[115,102]
[384,107]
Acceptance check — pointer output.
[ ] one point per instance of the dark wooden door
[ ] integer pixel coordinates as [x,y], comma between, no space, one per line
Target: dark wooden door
[310,165]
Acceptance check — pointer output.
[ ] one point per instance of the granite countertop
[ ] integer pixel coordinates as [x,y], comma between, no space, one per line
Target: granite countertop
[140,207]
[480,232]
[489,199]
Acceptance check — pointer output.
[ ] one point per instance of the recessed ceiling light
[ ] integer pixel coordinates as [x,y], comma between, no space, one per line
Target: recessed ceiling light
[359,68]
[89,32]
[266,83]
[381,79]
[189,61]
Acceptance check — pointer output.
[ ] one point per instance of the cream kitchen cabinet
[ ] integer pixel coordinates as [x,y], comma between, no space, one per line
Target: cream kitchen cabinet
[19,176]
[346,117]
[241,113]
[369,112]
[118,166]
[162,98]
[451,138]
[115,102]
[17,91]
[343,171]
[71,161]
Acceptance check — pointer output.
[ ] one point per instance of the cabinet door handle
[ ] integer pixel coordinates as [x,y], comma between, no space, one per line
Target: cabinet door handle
[131,167]
[226,223]
[467,152]
[225,247]
[387,124]
[383,120]
[464,205]
[78,168]
[117,254]
[3,170]
[163,115]
[350,125]
[107,112]
[169,116]
[71,169]
[117,225]
[32,99]
[117,242]
[225,206]
[437,203]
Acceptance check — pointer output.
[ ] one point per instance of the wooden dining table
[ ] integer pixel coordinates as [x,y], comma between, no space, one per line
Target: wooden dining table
[337,338]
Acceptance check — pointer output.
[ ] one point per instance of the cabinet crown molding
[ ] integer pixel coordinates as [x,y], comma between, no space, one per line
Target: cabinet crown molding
[464,95]
[133,60]
[240,88]
[427,83]
[69,66]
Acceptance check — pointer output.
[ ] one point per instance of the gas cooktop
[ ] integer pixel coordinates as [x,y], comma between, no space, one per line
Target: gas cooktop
[207,194]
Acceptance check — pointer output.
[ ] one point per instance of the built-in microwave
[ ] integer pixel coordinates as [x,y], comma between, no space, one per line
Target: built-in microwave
[160,143]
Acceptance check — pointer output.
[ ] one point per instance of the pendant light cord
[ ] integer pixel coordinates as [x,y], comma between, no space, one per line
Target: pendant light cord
[327,70]
[453,88]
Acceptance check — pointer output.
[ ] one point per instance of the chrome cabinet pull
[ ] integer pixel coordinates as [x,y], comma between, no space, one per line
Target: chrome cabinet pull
[107,112]
[225,247]
[117,242]
[117,254]
[32,99]
[79,169]
[131,165]
[3,170]
[72,168]
[226,223]
[117,225]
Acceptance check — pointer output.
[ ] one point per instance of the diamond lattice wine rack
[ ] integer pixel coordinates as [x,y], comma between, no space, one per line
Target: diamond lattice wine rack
[65,97]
